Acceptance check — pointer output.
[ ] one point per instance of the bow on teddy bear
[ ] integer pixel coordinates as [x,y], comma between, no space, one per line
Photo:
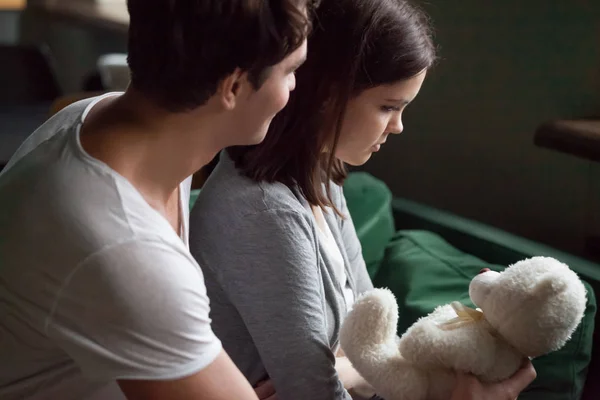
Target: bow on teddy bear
[529,309]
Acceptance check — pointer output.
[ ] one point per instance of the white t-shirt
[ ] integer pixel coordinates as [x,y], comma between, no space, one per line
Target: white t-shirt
[95,285]
[332,250]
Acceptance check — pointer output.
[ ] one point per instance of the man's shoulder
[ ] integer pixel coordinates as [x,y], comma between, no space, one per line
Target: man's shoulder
[72,213]
[143,256]
[130,274]
[64,121]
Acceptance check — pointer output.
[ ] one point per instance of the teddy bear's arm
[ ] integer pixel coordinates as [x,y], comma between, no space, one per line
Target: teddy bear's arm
[368,337]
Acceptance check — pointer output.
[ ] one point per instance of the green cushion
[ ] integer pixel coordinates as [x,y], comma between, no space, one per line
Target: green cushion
[369,203]
[193,197]
[424,271]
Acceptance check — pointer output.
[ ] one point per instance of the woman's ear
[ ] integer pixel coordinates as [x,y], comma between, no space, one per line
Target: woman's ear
[230,88]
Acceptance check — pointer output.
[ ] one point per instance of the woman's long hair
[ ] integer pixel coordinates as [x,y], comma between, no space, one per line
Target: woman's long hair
[354,45]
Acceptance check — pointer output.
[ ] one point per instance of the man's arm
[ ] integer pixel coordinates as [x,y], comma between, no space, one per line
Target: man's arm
[137,313]
[221,380]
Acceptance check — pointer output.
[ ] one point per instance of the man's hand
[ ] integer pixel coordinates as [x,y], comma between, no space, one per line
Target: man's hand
[265,390]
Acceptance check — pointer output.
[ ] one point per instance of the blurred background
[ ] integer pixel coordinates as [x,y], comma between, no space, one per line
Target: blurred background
[506,130]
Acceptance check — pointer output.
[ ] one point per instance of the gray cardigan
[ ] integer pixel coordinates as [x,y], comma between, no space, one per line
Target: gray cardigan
[275,302]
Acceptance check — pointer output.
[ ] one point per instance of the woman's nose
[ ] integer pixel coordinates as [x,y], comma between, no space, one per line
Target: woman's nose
[395,125]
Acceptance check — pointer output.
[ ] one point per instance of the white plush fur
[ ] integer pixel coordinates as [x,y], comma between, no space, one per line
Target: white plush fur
[530,309]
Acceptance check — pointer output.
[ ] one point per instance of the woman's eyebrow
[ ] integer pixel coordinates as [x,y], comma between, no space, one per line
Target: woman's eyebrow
[400,101]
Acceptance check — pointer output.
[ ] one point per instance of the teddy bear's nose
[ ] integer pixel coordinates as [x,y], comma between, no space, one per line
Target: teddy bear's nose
[484,270]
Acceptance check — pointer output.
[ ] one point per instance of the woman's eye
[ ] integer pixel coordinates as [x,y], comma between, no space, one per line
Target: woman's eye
[389,108]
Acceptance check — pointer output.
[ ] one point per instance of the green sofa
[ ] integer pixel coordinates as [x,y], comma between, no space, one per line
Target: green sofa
[427,257]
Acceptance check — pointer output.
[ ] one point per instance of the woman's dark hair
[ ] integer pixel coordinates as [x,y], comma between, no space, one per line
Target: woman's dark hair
[354,45]
[179,50]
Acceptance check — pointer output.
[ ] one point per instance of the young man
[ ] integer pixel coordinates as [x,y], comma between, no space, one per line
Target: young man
[99,295]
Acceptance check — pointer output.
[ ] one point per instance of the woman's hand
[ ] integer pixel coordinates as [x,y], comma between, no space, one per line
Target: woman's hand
[469,388]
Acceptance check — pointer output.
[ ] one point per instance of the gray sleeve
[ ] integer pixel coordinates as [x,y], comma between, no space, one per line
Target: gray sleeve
[353,248]
[271,276]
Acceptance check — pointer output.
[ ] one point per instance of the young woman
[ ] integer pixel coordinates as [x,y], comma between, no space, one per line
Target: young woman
[271,228]
[100,297]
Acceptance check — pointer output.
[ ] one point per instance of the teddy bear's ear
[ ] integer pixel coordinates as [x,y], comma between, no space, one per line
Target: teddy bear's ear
[548,286]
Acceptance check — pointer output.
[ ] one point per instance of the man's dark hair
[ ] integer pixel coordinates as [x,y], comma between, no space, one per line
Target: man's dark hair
[179,50]
[354,45]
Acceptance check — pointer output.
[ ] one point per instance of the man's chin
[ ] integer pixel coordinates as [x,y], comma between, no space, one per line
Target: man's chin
[259,136]
[258,139]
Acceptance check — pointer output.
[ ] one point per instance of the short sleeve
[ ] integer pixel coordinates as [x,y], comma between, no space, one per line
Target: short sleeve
[136,310]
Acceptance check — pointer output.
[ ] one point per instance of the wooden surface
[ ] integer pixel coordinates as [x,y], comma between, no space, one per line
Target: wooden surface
[106,14]
[580,138]
[9,5]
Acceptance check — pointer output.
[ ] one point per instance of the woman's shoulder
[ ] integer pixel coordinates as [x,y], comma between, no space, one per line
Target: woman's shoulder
[338,199]
[227,190]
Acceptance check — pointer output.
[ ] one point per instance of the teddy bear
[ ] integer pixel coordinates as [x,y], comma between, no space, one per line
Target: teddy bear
[529,309]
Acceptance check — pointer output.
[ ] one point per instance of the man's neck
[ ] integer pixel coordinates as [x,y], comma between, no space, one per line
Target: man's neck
[152,148]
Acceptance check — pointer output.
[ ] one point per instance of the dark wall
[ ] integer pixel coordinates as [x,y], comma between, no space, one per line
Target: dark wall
[468,146]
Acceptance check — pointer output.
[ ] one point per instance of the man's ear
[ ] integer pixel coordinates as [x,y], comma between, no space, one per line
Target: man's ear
[231,87]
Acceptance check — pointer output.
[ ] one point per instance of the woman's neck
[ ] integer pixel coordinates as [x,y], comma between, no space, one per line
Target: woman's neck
[319,218]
